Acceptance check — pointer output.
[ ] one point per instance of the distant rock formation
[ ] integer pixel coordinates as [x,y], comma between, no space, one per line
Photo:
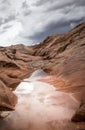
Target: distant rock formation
[61,56]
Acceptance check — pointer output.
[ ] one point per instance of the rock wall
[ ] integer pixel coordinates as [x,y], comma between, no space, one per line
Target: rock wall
[61,56]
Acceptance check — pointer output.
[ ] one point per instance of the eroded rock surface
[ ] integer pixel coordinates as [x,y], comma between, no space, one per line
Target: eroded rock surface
[61,56]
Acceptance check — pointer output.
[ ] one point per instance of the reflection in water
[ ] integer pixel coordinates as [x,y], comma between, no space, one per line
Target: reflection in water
[38,74]
[41,107]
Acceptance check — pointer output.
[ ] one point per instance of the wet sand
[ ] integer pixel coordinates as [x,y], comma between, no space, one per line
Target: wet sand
[41,107]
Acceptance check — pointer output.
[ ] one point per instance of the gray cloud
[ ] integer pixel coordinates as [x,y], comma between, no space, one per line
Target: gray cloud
[25,9]
[6,27]
[25,5]
[42,2]
[79,2]
[9,18]
[66,4]
[4,5]
[37,19]
[1,21]
[2,31]
[5,1]
[58,7]
[54,29]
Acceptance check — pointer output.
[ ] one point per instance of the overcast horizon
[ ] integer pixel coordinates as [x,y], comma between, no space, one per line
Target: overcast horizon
[29,22]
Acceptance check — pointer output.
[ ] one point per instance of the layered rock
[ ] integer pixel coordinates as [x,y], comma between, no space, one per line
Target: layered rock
[61,56]
[7,98]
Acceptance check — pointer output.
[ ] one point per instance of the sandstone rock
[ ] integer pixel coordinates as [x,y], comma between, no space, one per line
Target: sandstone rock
[80,115]
[7,99]
[61,56]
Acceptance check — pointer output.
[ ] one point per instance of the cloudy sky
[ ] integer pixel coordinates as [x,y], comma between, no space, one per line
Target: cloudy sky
[30,21]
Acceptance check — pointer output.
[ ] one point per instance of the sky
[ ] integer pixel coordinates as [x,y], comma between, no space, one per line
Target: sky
[31,21]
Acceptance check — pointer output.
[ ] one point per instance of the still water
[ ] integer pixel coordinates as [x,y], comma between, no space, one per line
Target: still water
[40,107]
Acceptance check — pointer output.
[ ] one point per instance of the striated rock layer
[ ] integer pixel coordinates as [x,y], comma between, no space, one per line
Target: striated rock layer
[61,56]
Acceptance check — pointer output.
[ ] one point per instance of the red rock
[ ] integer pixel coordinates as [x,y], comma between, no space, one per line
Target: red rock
[61,56]
[7,98]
